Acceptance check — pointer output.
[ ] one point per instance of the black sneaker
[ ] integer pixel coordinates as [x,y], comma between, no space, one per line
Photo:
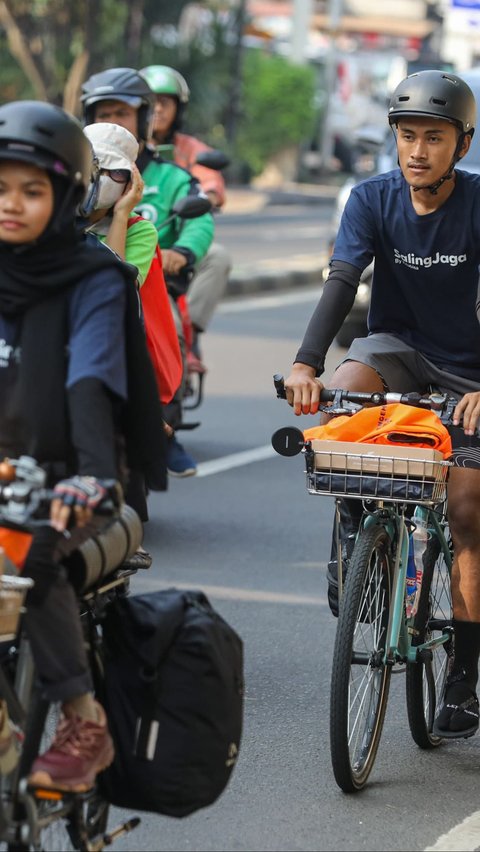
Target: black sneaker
[458,714]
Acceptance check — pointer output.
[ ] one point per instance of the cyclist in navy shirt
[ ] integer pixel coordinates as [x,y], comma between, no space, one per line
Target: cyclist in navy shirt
[77,390]
[421,226]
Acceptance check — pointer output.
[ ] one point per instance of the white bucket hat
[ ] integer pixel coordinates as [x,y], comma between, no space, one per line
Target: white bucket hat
[114,146]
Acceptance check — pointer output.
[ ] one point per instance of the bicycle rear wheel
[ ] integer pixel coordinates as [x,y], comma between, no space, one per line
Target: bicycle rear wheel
[426,678]
[360,679]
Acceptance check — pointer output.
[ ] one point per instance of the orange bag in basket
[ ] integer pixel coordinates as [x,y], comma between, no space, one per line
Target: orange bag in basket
[390,424]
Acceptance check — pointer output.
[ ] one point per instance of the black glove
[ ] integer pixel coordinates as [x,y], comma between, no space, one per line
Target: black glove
[88,491]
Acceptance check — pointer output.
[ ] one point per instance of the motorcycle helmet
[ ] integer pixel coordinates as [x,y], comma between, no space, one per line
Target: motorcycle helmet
[435,93]
[166,81]
[45,135]
[119,84]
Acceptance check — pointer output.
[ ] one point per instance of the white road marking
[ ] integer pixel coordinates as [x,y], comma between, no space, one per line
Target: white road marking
[229,593]
[464,837]
[231,306]
[235,460]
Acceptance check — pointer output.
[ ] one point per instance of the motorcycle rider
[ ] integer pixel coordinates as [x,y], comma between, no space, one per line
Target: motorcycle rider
[76,395]
[122,96]
[421,225]
[172,95]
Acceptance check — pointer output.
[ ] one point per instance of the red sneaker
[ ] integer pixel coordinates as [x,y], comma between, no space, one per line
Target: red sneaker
[80,750]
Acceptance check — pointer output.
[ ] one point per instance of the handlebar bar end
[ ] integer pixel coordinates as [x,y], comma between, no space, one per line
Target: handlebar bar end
[278,381]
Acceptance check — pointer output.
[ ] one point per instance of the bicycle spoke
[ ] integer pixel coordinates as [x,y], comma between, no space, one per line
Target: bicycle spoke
[360,678]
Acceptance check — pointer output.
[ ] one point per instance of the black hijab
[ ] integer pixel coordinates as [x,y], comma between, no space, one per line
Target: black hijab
[35,283]
[34,272]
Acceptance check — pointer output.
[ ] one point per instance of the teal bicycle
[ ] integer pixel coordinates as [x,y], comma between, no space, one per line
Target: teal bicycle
[375,637]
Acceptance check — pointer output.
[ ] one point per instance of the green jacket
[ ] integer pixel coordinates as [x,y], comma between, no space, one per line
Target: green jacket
[165,183]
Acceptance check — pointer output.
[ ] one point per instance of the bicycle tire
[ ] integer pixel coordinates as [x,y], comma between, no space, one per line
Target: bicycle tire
[425,678]
[360,678]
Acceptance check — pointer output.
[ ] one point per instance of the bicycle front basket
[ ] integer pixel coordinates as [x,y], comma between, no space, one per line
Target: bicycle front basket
[343,468]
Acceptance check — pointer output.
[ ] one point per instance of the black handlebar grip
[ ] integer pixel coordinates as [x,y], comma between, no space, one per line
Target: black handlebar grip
[279,386]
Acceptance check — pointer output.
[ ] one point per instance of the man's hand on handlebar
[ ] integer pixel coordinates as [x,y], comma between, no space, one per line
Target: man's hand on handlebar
[467,412]
[173,262]
[303,389]
[81,496]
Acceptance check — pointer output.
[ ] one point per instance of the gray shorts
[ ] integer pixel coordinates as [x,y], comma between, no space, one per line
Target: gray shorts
[403,369]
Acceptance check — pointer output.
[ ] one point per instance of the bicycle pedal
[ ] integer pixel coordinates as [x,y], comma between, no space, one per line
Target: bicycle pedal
[123,828]
[49,794]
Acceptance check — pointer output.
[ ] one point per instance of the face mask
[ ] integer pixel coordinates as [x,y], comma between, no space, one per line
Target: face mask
[108,192]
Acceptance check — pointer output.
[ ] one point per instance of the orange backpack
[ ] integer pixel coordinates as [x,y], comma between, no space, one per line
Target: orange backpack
[391,424]
[162,338]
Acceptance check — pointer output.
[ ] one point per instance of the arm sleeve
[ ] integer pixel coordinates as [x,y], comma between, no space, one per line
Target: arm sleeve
[335,303]
[91,412]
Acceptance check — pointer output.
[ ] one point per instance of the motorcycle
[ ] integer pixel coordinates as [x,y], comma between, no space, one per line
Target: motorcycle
[189,207]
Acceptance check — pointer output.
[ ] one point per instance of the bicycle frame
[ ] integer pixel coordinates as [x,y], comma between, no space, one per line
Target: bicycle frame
[398,643]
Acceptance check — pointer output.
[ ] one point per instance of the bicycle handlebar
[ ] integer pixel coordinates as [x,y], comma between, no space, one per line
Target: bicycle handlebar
[24,498]
[438,402]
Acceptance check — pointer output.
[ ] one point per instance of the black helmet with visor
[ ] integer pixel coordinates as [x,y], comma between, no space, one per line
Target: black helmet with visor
[119,84]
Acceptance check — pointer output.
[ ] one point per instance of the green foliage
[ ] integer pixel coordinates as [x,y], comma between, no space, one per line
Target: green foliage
[249,103]
[278,108]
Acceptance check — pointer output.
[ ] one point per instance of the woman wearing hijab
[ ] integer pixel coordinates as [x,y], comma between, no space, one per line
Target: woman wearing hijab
[73,364]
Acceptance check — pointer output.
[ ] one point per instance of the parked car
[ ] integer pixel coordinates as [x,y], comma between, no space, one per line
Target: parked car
[377,154]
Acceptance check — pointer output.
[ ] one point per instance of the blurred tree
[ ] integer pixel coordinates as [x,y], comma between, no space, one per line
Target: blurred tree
[52,43]
[251,109]
[278,107]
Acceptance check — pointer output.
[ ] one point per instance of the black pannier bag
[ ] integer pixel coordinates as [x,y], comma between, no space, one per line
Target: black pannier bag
[174,701]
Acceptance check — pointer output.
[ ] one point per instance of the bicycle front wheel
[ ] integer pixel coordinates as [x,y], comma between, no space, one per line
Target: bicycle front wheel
[360,678]
[426,677]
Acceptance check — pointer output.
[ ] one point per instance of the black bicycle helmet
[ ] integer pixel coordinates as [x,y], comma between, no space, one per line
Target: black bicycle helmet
[119,84]
[435,93]
[46,136]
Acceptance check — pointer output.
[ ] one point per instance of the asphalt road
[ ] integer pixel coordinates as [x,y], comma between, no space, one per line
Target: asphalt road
[246,532]
[276,246]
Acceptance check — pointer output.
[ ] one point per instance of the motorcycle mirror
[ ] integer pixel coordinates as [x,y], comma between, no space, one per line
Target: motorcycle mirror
[213,159]
[288,441]
[191,206]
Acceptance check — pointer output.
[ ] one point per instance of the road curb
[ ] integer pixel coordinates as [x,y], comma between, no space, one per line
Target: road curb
[271,280]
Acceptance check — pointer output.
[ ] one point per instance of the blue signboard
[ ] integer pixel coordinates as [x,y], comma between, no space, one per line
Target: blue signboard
[466,4]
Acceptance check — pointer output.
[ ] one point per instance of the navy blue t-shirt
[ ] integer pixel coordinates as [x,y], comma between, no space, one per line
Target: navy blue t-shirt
[426,271]
[96,346]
